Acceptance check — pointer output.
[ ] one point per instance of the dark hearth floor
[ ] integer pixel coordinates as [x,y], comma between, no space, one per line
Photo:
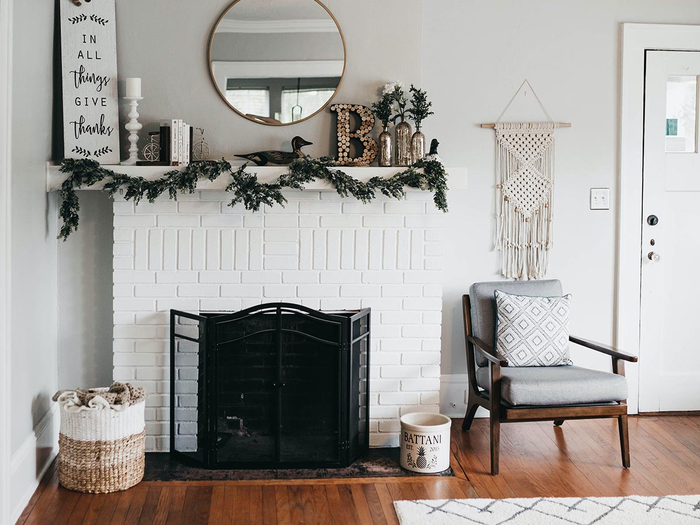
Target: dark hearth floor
[379,463]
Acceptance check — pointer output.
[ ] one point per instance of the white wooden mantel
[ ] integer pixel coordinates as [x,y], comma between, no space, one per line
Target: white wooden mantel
[457,177]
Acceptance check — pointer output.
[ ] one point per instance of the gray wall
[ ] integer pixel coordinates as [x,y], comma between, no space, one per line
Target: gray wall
[242,47]
[476,55]
[471,56]
[169,53]
[85,297]
[33,250]
[165,43]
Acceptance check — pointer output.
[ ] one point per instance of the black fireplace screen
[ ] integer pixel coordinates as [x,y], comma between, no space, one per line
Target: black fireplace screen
[276,385]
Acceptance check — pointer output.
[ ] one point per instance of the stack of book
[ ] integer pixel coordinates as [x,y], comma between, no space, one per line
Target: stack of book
[176,142]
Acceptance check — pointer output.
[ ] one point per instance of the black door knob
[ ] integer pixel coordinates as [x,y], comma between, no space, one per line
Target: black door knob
[652,220]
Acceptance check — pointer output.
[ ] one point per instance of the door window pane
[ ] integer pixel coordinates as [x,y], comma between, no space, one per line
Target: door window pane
[250,101]
[681,111]
[298,104]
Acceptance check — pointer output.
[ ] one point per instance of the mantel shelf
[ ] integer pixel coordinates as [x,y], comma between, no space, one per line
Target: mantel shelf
[457,177]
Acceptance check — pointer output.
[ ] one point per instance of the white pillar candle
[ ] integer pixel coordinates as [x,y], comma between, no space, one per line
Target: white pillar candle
[133,88]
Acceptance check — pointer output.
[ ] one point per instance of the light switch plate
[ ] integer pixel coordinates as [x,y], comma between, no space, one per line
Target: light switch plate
[600,198]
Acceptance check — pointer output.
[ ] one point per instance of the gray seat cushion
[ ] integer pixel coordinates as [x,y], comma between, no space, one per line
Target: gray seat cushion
[483,303]
[557,385]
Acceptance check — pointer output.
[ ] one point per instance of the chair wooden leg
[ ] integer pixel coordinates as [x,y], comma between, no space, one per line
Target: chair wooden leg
[469,416]
[495,441]
[558,422]
[624,440]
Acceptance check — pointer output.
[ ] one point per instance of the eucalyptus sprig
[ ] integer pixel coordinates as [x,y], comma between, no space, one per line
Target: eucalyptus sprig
[245,186]
[420,106]
[397,95]
[383,110]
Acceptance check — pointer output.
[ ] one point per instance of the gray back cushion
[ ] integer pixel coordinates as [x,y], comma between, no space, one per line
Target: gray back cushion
[483,304]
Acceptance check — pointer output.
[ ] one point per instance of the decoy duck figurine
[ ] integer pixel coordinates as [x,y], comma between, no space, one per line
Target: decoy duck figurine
[283,158]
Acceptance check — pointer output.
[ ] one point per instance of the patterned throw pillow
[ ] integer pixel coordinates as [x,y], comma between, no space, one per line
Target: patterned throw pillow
[533,331]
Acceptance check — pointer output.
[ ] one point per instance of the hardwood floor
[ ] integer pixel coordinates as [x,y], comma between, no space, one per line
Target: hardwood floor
[581,458]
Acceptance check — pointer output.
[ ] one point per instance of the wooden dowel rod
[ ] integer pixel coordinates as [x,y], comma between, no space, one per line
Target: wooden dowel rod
[558,124]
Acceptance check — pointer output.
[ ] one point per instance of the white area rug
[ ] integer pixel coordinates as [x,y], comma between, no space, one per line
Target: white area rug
[632,510]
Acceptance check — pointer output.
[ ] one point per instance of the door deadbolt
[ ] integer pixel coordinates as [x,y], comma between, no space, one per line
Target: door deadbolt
[652,220]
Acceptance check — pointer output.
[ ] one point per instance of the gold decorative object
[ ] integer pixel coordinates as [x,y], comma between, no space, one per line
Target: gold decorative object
[230,73]
[362,134]
[385,147]
[403,133]
[417,146]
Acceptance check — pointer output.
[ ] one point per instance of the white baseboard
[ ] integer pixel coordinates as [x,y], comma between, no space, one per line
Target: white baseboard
[453,396]
[32,459]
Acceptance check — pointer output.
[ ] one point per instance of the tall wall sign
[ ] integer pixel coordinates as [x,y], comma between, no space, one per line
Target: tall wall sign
[90,105]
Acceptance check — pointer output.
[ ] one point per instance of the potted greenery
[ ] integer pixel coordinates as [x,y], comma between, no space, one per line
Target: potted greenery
[383,110]
[402,130]
[419,111]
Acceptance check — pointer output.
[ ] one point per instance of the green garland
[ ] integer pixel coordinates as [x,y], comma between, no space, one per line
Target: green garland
[244,186]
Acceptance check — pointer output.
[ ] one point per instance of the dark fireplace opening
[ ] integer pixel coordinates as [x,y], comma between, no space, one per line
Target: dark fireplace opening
[277,385]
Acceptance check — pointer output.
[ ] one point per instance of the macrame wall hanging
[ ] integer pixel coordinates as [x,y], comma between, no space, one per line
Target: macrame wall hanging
[524,190]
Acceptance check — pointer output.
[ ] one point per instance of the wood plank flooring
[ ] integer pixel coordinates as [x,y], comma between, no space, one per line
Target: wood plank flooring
[581,458]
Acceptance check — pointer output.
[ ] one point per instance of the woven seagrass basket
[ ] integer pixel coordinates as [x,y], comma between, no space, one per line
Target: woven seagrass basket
[102,451]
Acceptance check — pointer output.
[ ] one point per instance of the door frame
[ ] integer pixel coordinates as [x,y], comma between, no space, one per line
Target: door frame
[6,15]
[637,39]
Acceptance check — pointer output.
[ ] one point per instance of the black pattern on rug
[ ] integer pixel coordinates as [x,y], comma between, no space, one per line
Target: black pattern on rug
[379,463]
[639,510]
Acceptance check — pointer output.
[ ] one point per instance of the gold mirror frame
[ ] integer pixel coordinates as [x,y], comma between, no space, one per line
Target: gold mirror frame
[223,97]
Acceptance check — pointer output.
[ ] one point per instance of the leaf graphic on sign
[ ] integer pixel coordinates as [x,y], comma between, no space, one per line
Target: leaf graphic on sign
[82,151]
[77,19]
[99,20]
[102,151]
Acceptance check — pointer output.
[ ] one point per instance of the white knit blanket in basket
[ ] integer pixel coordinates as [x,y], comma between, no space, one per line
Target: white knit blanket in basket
[99,421]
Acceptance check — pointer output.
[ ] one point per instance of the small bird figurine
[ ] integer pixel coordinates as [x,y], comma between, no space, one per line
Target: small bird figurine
[433,153]
[282,158]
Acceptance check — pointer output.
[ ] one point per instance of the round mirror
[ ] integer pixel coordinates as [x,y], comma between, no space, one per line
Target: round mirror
[277,62]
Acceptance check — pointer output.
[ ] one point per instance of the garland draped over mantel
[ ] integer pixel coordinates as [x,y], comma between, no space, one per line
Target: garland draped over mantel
[244,186]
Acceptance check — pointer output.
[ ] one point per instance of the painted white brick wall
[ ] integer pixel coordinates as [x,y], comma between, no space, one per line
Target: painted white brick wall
[200,254]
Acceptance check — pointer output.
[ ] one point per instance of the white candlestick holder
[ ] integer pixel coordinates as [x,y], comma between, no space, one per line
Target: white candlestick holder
[133,127]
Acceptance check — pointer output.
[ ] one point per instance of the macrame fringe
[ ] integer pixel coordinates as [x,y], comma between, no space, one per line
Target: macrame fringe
[524,211]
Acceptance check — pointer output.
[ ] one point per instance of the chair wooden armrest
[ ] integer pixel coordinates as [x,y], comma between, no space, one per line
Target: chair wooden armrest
[603,349]
[487,351]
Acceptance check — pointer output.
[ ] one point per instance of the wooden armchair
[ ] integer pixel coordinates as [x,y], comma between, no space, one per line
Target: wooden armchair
[512,394]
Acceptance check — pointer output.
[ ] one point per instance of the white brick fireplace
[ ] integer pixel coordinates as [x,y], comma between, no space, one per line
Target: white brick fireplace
[199,254]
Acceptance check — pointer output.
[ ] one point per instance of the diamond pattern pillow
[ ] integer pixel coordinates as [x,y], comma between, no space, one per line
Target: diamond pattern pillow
[533,331]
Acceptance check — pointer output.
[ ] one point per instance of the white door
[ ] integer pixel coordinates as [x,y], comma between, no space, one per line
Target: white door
[669,362]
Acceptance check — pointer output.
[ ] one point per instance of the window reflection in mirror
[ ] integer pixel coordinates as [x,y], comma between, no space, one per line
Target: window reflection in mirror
[277,61]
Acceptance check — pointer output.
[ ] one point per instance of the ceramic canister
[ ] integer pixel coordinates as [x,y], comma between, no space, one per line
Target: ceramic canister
[425,442]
